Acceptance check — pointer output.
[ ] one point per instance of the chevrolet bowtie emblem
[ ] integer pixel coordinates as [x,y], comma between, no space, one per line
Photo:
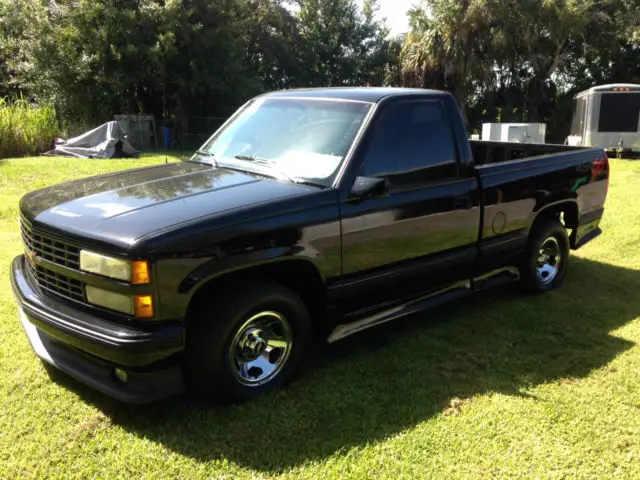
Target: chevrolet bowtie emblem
[33,256]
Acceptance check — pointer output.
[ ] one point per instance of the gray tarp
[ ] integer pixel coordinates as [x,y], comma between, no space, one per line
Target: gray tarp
[106,141]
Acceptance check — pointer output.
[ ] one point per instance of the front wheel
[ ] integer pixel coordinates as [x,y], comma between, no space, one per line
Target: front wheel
[244,343]
[545,261]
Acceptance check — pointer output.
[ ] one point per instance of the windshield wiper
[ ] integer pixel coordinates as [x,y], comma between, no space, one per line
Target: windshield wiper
[253,158]
[270,164]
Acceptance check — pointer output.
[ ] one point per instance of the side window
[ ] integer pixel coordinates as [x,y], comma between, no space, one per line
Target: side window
[411,143]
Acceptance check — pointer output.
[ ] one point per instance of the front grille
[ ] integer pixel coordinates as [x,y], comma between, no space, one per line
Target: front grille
[54,251]
[57,283]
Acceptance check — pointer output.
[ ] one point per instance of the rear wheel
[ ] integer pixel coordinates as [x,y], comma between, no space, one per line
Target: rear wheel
[244,343]
[544,264]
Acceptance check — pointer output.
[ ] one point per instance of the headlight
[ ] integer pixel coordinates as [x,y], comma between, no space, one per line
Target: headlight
[106,266]
[136,271]
[139,305]
[111,300]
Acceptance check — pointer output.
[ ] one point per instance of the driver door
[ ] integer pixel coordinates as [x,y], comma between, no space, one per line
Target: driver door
[422,235]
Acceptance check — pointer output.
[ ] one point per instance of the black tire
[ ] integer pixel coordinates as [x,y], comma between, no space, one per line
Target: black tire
[546,234]
[211,364]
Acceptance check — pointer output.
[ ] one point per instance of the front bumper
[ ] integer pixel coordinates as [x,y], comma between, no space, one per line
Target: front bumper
[89,348]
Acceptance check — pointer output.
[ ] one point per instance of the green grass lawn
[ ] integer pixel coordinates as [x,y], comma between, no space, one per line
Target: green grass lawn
[501,385]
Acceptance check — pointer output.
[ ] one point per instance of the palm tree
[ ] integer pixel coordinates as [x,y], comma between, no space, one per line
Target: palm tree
[448,47]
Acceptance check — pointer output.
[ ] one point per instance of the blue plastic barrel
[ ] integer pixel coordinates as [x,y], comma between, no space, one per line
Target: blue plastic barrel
[166,133]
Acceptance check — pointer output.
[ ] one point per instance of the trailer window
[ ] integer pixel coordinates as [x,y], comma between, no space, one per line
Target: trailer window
[619,112]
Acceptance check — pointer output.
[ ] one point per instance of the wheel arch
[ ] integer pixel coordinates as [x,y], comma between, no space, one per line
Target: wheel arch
[567,210]
[298,274]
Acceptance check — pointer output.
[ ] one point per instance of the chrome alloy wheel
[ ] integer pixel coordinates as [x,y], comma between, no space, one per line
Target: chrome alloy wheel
[548,260]
[260,348]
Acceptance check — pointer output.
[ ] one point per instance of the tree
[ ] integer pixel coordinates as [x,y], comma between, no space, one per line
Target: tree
[272,38]
[97,58]
[553,31]
[519,60]
[339,44]
[172,58]
[14,19]
[450,46]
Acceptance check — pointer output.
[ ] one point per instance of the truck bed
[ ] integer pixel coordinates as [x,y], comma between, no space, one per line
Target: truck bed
[486,152]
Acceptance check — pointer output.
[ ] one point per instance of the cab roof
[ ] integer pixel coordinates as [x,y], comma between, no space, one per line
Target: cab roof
[356,94]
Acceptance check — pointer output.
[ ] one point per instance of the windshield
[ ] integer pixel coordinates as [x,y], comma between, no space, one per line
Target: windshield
[300,138]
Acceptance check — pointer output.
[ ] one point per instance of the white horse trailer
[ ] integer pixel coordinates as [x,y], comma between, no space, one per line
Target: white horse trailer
[607,116]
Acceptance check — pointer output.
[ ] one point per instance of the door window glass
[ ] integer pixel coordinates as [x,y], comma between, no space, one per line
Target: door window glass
[411,143]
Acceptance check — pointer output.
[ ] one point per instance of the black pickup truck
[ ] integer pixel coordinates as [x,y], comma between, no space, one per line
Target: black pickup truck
[316,212]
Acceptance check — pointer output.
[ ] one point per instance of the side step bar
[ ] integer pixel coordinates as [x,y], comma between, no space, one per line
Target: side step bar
[409,308]
[496,278]
[459,290]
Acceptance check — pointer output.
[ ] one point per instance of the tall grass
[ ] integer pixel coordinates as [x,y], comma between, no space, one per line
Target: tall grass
[25,129]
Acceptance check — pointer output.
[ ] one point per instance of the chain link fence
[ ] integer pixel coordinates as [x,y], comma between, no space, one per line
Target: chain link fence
[188,133]
[194,130]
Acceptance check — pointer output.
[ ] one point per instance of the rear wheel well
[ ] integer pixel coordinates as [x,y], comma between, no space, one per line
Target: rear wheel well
[566,212]
[300,276]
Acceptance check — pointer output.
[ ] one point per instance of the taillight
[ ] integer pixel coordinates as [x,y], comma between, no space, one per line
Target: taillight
[601,165]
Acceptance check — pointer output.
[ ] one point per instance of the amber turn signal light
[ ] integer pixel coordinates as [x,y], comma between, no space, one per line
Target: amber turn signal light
[140,272]
[143,306]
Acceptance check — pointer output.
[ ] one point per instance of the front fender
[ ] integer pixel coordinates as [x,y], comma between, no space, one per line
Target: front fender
[180,276]
[216,267]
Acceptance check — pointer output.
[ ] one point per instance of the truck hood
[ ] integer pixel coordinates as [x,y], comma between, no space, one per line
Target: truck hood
[122,207]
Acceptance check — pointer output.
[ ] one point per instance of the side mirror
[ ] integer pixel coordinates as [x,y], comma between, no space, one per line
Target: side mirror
[369,187]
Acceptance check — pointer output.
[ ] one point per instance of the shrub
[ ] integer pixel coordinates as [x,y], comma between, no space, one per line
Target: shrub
[25,129]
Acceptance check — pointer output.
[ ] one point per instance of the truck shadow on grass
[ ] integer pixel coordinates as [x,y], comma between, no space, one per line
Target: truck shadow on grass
[378,383]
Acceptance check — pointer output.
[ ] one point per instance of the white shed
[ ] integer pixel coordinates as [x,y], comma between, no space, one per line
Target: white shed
[514,132]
